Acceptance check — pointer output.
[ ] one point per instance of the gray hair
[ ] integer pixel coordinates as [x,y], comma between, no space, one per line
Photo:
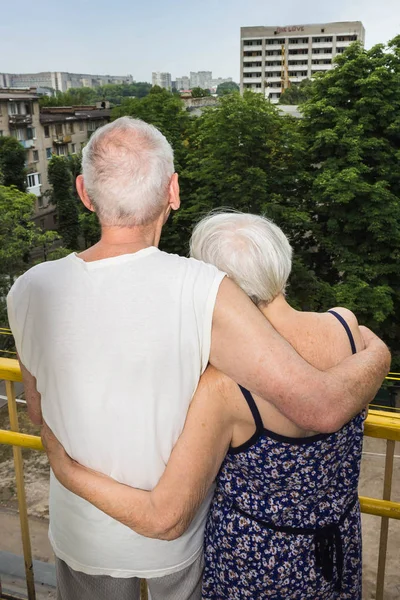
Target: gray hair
[251,249]
[127,166]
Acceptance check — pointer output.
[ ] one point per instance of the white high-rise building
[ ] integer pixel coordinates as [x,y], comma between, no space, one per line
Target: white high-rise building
[200,79]
[273,57]
[60,81]
[162,79]
[182,83]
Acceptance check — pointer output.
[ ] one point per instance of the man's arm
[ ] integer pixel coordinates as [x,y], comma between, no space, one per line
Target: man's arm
[32,396]
[247,348]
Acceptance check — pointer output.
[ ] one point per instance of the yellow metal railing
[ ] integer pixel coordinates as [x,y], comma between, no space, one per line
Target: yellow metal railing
[379,424]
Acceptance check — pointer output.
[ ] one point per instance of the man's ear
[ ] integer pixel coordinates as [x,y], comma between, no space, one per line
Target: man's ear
[174,200]
[83,195]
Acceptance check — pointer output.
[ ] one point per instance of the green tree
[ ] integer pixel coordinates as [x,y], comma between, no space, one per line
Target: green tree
[199,92]
[297,93]
[60,178]
[352,131]
[243,155]
[12,163]
[227,88]
[19,236]
[114,93]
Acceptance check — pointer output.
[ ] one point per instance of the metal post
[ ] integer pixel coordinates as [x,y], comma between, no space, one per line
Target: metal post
[143,590]
[387,489]
[22,507]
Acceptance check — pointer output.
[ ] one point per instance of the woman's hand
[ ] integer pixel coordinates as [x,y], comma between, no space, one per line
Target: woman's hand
[59,460]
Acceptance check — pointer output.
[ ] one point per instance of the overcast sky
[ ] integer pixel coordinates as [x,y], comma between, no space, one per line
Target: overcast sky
[137,37]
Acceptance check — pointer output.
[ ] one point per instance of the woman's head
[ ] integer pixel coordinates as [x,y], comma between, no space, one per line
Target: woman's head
[251,249]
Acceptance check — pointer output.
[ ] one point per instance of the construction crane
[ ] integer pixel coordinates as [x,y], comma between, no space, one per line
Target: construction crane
[285,81]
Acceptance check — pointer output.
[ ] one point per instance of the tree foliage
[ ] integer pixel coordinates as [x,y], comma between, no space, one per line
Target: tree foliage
[352,130]
[297,93]
[12,163]
[114,93]
[227,88]
[198,92]
[19,236]
[60,178]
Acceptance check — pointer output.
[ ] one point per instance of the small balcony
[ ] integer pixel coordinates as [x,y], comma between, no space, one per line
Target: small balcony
[27,143]
[62,139]
[35,189]
[20,119]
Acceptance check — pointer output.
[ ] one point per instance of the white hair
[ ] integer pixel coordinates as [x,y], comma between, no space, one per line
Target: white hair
[251,249]
[127,166]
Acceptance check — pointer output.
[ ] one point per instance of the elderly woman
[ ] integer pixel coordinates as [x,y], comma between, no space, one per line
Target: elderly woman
[284,521]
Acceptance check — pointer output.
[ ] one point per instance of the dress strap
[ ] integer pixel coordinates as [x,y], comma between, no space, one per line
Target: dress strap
[253,407]
[347,328]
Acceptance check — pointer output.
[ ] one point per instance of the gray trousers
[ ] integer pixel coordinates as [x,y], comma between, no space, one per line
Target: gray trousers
[183,585]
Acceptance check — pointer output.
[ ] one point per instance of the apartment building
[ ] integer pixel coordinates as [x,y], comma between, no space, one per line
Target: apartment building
[271,58]
[182,83]
[43,133]
[162,80]
[200,79]
[59,80]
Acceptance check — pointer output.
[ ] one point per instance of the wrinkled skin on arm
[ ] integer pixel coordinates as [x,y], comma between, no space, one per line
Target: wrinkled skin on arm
[247,348]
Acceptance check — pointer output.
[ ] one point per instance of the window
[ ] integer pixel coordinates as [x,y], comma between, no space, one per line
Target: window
[40,201]
[30,133]
[328,51]
[92,126]
[13,108]
[73,149]
[46,131]
[252,43]
[35,155]
[62,150]
[59,129]
[81,127]
[1,133]
[258,85]
[293,41]
[70,127]
[49,153]
[42,222]
[33,180]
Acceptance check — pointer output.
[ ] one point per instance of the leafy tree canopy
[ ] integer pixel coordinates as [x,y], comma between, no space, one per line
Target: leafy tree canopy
[60,178]
[227,88]
[114,93]
[297,93]
[199,92]
[12,163]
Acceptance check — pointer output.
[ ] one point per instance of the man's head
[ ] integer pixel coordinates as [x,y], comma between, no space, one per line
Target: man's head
[251,249]
[128,174]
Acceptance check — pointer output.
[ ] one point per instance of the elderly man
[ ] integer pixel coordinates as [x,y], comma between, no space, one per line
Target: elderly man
[112,343]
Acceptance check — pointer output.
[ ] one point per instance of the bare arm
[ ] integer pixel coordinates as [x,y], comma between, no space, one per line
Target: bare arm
[32,396]
[247,348]
[166,511]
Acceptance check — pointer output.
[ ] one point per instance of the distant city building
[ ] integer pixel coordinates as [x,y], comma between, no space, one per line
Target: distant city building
[182,83]
[201,79]
[273,57]
[162,79]
[60,130]
[59,80]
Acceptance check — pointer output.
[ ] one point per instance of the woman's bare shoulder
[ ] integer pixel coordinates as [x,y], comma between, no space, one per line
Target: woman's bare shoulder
[352,322]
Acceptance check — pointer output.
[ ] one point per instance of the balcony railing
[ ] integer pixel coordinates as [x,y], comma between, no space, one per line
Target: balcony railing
[62,139]
[27,143]
[20,119]
[379,424]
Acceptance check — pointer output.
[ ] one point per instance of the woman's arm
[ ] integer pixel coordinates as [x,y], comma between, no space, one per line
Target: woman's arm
[166,511]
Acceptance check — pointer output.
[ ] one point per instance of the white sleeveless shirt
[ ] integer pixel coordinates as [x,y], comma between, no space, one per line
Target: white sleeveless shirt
[117,347]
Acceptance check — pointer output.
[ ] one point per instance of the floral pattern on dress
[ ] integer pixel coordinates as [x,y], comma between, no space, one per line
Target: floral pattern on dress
[305,483]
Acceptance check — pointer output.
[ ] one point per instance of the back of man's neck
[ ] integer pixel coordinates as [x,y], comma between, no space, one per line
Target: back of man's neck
[116,241]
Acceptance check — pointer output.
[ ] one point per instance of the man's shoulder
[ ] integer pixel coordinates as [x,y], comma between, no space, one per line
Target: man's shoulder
[187,264]
[38,273]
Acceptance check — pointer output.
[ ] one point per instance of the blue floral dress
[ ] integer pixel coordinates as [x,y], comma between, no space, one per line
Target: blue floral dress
[285,523]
